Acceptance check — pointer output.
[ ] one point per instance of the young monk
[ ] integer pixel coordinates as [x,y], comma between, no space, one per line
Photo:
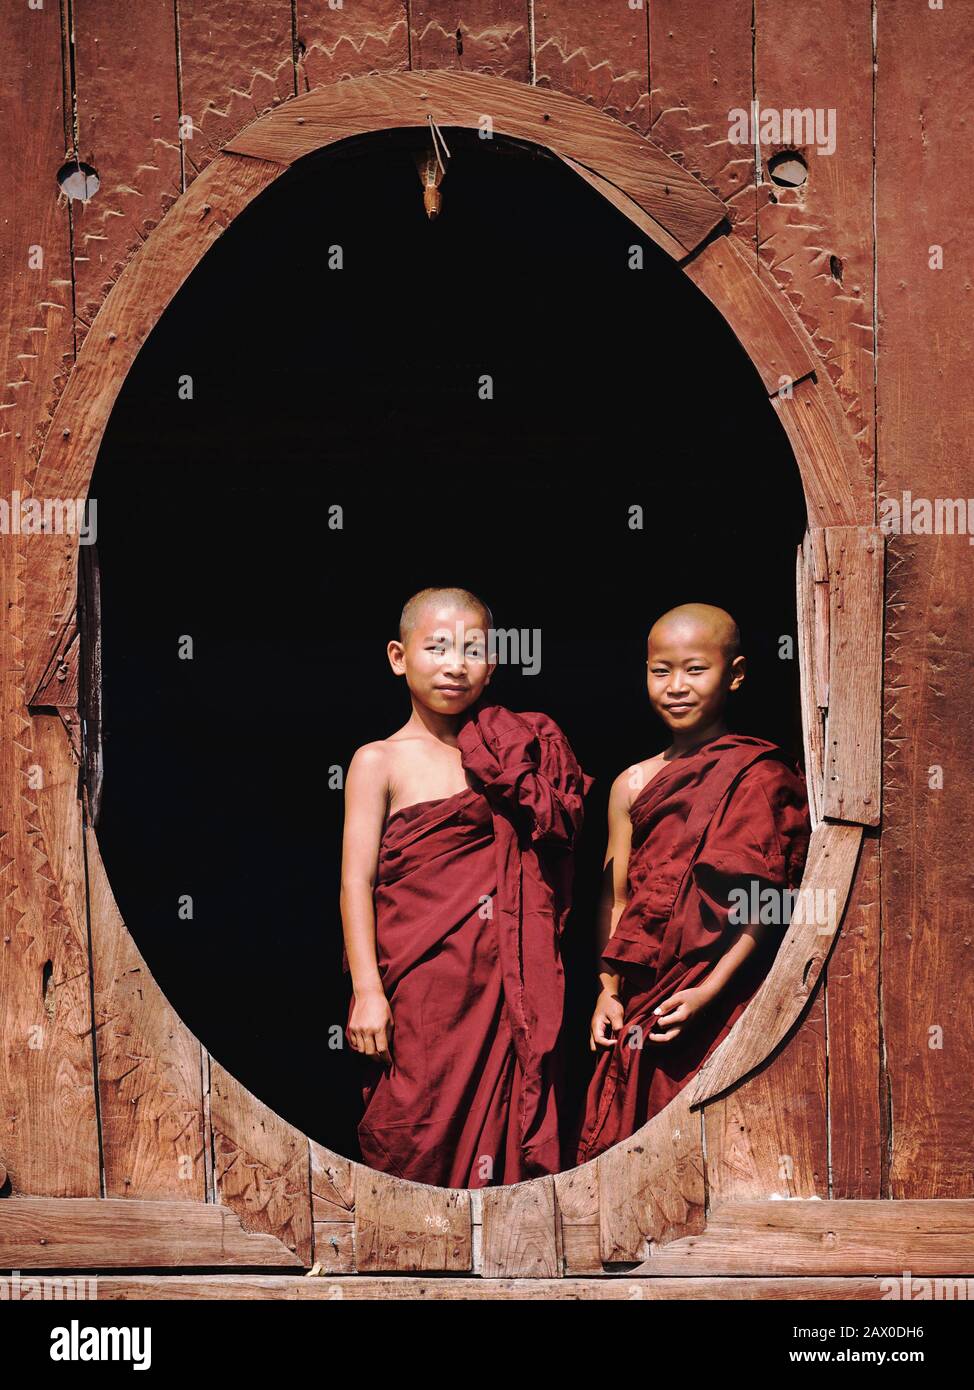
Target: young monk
[710,814]
[456,881]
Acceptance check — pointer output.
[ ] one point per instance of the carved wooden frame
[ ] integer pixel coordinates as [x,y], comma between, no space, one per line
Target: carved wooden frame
[249,1188]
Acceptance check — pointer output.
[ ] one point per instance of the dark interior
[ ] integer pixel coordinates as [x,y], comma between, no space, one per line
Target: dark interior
[314,387]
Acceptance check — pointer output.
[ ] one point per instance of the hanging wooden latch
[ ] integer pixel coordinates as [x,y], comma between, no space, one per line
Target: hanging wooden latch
[432,167]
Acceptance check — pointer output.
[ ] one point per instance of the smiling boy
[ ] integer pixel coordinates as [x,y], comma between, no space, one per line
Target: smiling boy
[710,814]
[456,882]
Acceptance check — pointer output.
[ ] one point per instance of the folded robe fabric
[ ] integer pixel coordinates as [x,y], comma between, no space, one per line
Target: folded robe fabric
[730,815]
[471,896]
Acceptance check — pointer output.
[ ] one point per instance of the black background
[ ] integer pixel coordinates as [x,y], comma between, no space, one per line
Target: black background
[314,388]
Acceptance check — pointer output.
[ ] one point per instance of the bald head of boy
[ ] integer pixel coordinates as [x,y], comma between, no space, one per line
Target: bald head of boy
[693,662]
[443,649]
[461,599]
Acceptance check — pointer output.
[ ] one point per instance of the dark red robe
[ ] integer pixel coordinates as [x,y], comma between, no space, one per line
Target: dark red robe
[732,813]
[471,896]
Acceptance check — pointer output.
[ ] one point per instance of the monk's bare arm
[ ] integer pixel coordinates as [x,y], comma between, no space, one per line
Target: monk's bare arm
[615,877]
[612,903]
[679,1009]
[731,961]
[366,800]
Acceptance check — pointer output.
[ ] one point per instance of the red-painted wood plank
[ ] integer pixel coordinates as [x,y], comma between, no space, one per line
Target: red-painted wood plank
[598,52]
[128,130]
[925,172]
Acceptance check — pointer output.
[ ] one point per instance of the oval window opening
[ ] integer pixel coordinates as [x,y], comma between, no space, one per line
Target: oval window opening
[348,401]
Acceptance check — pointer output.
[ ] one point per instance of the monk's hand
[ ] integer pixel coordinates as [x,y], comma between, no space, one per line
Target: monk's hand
[675,1013]
[606,1021]
[371,1026]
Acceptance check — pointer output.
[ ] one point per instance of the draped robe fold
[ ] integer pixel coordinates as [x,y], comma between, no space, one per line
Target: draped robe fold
[471,896]
[731,815]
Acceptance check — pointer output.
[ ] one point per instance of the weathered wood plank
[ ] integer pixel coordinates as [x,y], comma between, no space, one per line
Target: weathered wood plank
[816,240]
[816,1237]
[489,36]
[335,1246]
[521,1231]
[90,679]
[45,1045]
[816,561]
[332,1185]
[769,1137]
[417,1287]
[236,61]
[115,1233]
[599,53]
[577,1198]
[409,1226]
[37,342]
[262,1165]
[128,131]
[797,965]
[355,41]
[857,1121]
[813,728]
[853,726]
[701,63]
[651,1187]
[49,1137]
[149,1064]
[925,172]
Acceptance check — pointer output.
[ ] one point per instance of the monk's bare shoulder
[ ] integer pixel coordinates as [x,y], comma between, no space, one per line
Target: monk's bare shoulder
[634,779]
[370,767]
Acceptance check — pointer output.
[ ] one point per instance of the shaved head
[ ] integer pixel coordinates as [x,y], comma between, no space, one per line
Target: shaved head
[457,598]
[700,621]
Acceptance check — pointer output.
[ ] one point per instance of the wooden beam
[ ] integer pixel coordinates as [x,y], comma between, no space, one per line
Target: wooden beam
[835,492]
[675,199]
[806,1237]
[624,1288]
[122,1232]
[775,343]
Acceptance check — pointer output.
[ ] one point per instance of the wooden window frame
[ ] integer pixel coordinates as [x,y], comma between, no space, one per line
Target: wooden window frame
[263,1193]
